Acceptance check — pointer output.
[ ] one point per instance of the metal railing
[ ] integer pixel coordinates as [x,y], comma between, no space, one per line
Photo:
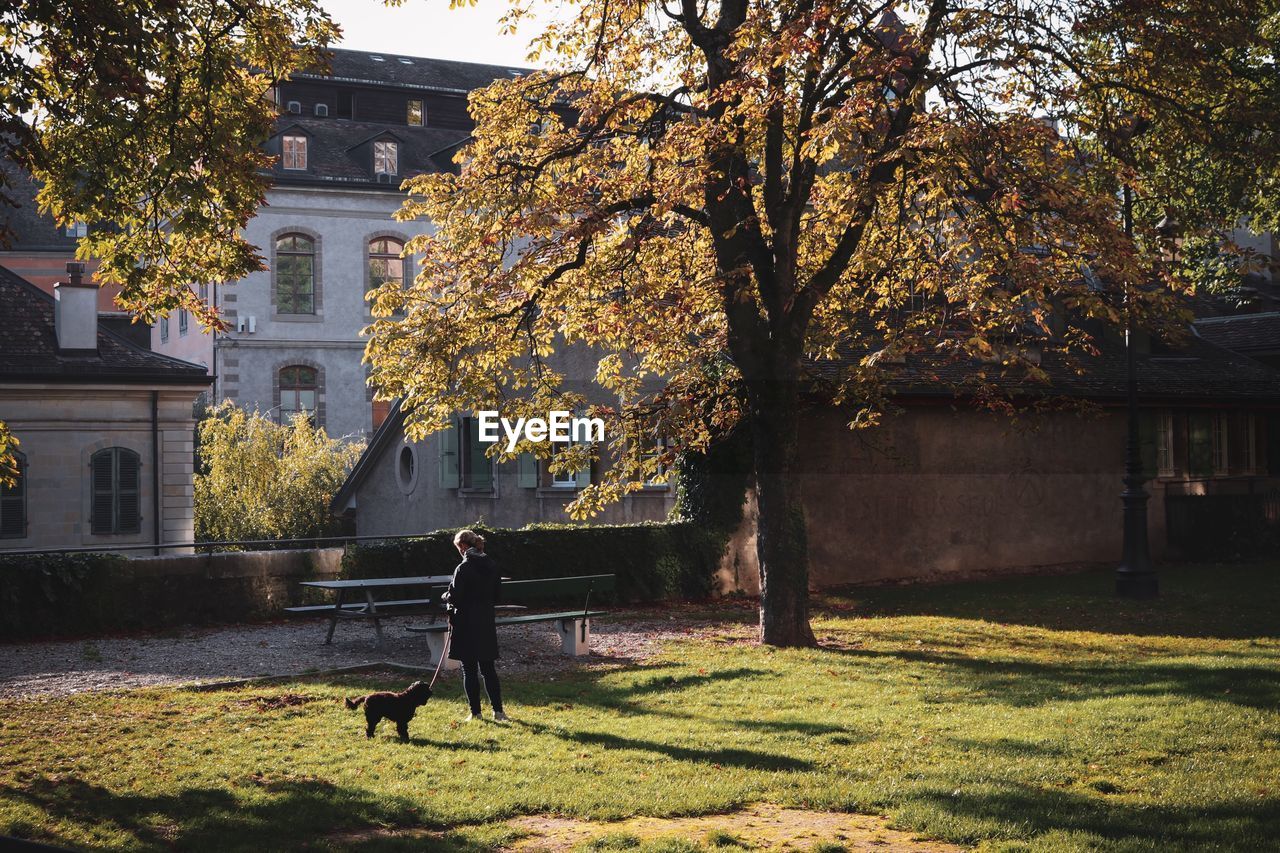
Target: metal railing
[224,546]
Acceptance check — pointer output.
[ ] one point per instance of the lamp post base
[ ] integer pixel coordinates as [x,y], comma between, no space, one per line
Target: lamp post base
[1137,584]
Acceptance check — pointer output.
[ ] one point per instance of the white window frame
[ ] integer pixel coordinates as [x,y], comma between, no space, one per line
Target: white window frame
[293,152]
[563,479]
[1250,430]
[657,449]
[1164,444]
[422,113]
[1221,443]
[386,157]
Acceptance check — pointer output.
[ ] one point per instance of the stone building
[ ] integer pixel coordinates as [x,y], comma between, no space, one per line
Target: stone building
[942,488]
[38,249]
[946,489]
[446,480]
[105,426]
[346,139]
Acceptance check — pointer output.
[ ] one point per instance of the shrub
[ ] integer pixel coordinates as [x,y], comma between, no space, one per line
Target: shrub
[653,561]
[261,480]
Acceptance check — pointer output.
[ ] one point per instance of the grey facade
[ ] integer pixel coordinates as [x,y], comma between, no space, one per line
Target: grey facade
[264,340]
[346,139]
[404,487]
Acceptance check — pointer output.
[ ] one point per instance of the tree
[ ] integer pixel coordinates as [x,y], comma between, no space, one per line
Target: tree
[258,479]
[1198,141]
[146,120]
[728,203]
[8,461]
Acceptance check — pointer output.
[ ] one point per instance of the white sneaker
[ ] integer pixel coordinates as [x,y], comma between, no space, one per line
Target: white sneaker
[469,717]
[500,717]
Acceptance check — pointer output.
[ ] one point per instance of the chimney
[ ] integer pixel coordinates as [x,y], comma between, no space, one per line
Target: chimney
[75,312]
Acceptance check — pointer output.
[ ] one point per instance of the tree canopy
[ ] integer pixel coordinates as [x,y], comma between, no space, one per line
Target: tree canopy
[723,200]
[146,120]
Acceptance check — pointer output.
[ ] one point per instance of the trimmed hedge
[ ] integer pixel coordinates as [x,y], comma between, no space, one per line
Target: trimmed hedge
[653,560]
[75,592]
[51,595]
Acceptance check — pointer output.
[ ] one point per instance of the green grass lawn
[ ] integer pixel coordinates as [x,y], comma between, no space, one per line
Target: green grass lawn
[1036,713]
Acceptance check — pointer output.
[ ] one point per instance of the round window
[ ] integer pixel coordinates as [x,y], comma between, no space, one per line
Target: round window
[407,468]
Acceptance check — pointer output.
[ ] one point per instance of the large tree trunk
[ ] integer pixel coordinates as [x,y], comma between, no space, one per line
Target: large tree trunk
[781,544]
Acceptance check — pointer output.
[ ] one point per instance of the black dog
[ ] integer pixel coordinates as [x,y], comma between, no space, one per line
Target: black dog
[399,707]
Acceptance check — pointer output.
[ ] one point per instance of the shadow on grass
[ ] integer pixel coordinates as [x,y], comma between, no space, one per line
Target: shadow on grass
[270,815]
[1032,811]
[1201,600]
[1025,683]
[746,759]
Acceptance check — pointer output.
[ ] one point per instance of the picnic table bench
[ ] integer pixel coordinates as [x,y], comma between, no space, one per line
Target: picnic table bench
[574,626]
[370,608]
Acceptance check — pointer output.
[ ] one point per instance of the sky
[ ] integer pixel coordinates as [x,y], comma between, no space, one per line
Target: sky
[431,28]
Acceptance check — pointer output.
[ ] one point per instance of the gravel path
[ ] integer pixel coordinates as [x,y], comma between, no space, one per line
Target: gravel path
[192,655]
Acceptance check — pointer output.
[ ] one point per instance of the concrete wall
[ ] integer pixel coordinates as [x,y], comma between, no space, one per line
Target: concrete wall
[341,222]
[937,493]
[61,426]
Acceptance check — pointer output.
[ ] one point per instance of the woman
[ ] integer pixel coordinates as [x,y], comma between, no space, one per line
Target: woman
[471,597]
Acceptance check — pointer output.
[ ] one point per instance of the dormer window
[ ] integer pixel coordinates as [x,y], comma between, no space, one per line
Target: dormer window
[385,158]
[416,116]
[322,110]
[295,107]
[294,149]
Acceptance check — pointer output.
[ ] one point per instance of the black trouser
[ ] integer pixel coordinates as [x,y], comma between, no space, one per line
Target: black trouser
[472,671]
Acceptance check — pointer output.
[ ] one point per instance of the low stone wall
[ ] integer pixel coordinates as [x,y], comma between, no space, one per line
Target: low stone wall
[61,595]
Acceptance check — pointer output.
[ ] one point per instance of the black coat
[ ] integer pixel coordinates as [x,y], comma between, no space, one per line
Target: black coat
[472,595]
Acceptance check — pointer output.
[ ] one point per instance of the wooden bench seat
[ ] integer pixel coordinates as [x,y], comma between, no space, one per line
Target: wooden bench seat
[327,609]
[441,627]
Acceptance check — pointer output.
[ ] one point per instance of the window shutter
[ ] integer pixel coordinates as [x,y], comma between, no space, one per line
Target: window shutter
[449,478]
[128,499]
[102,477]
[1273,444]
[528,470]
[1147,443]
[13,505]
[480,466]
[1200,444]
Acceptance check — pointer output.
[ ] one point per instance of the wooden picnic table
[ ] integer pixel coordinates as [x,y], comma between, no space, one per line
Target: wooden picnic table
[343,609]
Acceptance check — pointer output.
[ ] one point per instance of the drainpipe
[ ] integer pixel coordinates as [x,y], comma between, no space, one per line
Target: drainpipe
[213,391]
[155,467]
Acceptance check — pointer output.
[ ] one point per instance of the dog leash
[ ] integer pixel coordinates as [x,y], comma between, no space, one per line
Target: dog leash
[444,653]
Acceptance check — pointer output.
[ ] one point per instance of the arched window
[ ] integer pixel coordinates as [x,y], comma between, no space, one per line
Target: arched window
[295,274]
[117,504]
[13,503]
[297,392]
[385,263]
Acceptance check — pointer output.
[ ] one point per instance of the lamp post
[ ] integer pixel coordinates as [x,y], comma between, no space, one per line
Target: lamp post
[1135,576]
